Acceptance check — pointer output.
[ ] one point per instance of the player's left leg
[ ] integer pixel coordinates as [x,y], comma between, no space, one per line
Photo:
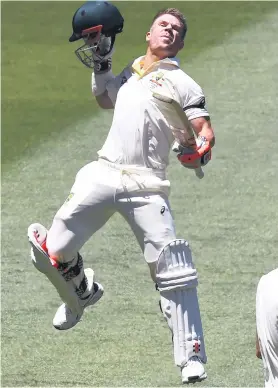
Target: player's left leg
[172,269]
[176,279]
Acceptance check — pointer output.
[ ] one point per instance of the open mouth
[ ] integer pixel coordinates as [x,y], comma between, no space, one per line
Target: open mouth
[167,36]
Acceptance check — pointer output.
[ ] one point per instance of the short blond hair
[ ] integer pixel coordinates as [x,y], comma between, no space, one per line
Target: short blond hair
[175,12]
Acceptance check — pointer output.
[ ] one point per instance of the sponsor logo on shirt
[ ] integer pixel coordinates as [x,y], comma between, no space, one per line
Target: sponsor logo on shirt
[156,80]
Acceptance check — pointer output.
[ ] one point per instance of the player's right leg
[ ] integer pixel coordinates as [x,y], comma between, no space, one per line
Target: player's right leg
[75,285]
[56,252]
[51,267]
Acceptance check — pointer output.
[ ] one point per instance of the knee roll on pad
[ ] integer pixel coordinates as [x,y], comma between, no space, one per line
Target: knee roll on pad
[175,267]
[176,279]
[43,263]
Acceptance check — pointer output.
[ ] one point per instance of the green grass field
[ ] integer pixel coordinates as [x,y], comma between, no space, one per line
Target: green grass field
[51,127]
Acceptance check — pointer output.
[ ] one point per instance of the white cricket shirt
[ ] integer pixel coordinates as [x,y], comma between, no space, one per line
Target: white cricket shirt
[267,325]
[139,134]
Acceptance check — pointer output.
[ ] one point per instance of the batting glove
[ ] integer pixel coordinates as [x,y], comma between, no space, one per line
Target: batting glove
[102,54]
[96,52]
[193,157]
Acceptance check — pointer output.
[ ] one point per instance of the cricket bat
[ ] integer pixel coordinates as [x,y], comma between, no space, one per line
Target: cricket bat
[176,117]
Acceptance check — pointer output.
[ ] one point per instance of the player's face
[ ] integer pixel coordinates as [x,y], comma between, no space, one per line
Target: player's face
[165,36]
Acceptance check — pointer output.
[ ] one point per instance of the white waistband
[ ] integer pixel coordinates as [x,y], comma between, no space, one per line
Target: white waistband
[131,169]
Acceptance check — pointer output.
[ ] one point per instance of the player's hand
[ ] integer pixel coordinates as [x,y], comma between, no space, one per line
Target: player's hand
[102,48]
[193,157]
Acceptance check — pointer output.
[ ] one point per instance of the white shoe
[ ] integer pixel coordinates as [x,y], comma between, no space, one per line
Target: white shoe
[64,319]
[193,371]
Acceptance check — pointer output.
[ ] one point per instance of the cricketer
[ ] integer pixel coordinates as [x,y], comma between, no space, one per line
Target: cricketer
[267,326]
[129,177]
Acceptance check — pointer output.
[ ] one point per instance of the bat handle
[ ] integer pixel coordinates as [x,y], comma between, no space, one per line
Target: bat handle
[199,172]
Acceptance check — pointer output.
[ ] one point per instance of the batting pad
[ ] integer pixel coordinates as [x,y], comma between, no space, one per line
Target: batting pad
[177,282]
[43,264]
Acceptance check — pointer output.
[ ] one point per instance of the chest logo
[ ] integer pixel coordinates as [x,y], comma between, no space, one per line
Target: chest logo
[156,80]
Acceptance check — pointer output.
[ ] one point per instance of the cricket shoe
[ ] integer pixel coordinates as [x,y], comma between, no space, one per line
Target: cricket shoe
[193,371]
[64,318]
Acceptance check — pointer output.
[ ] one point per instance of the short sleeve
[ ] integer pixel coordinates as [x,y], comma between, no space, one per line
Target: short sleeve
[192,97]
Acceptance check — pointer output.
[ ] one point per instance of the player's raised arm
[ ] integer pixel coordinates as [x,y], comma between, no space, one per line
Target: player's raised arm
[97,23]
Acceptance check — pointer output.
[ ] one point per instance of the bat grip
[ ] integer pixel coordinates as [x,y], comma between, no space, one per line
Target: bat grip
[199,172]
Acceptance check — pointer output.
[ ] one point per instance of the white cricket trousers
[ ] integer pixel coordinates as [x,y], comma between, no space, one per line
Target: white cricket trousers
[100,189]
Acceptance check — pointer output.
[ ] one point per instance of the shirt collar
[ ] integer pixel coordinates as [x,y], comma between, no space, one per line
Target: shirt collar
[137,64]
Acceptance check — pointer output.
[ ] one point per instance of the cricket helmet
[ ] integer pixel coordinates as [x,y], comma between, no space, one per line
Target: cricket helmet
[95,16]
